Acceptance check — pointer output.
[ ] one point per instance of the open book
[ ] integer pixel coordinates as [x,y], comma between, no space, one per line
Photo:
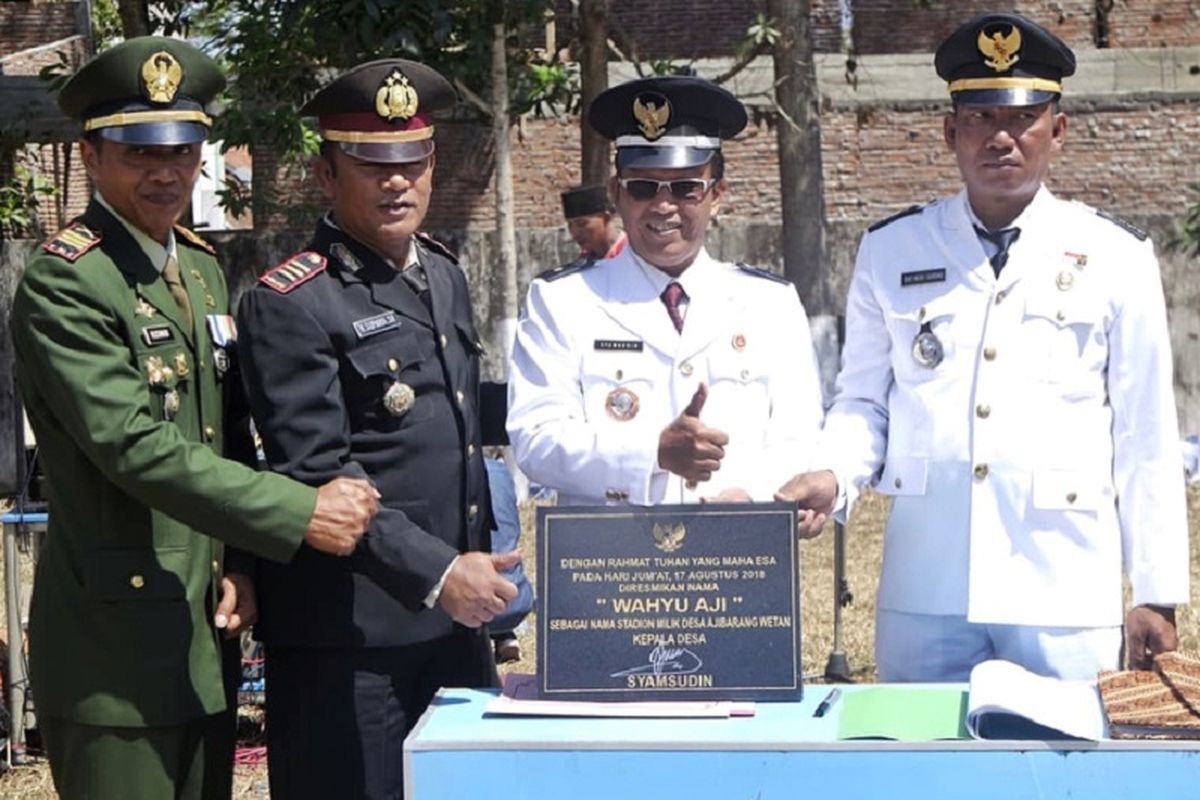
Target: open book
[1005,701]
[1008,701]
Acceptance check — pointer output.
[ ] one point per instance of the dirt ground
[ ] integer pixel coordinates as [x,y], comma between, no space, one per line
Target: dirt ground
[863,553]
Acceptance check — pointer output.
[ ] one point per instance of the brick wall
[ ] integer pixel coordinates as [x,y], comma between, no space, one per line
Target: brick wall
[1128,160]
[29,24]
[681,29]
[668,28]
[1154,23]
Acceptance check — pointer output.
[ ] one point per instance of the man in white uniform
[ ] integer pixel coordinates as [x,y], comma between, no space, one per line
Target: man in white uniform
[1007,377]
[663,375]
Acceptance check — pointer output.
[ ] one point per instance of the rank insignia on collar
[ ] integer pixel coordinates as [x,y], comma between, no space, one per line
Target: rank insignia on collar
[345,255]
[144,309]
[161,76]
[396,98]
[72,241]
[622,404]
[191,237]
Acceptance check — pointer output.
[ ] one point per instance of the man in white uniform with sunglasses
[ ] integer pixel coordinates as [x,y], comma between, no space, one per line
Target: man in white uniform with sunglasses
[663,375]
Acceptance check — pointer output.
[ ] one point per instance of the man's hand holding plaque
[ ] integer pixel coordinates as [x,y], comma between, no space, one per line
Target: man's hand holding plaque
[688,447]
[814,494]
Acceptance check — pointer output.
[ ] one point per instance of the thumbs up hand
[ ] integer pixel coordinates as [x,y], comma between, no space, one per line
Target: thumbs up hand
[688,447]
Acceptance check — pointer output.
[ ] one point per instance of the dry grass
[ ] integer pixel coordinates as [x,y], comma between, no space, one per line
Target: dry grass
[863,554]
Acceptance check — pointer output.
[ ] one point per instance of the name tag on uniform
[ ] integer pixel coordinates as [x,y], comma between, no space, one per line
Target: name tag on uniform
[922,276]
[377,324]
[154,335]
[628,346]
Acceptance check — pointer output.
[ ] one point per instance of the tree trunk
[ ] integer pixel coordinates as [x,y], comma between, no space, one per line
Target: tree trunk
[504,276]
[803,200]
[135,18]
[593,79]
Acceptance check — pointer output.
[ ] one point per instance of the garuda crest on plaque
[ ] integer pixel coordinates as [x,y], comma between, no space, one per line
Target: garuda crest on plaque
[396,98]
[161,76]
[669,538]
[652,112]
[1000,51]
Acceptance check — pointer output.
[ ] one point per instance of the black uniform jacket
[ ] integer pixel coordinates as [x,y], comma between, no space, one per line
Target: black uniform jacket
[323,337]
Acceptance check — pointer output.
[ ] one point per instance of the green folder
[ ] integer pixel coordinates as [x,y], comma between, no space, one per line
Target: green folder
[904,713]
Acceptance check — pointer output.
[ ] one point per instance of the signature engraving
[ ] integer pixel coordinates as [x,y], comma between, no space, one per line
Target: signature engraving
[665,660]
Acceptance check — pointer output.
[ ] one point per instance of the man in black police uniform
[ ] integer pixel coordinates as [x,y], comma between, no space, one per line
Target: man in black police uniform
[361,358]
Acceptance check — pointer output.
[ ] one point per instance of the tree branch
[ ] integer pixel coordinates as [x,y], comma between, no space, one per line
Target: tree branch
[739,65]
[475,100]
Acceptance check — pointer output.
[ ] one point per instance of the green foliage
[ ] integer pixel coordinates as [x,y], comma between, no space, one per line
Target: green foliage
[106,23]
[761,35]
[548,89]
[1188,237]
[21,198]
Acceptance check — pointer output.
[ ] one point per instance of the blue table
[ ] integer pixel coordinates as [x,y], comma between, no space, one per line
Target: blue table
[782,752]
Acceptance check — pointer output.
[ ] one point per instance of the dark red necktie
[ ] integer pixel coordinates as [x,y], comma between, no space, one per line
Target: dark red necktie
[671,297]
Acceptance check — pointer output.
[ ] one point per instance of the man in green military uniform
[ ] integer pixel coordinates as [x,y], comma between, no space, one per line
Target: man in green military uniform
[124,351]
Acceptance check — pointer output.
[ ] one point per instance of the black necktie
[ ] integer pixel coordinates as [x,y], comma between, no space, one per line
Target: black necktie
[1002,239]
[414,276]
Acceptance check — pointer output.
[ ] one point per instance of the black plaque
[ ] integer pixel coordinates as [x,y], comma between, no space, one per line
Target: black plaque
[688,602]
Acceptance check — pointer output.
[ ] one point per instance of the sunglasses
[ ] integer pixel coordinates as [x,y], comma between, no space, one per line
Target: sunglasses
[689,189]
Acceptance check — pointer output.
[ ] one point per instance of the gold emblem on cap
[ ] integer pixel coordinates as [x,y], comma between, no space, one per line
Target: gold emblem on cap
[652,114]
[1000,51]
[622,404]
[396,98]
[162,75]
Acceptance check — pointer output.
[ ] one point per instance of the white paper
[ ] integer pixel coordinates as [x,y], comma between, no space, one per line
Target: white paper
[1072,707]
[659,710]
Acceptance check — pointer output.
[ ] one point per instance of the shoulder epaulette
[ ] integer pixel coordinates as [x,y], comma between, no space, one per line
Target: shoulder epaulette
[570,268]
[436,246]
[1129,227]
[72,241]
[883,223]
[192,238]
[295,271]
[758,272]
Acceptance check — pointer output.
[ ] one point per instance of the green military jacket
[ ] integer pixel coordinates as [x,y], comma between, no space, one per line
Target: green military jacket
[126,404]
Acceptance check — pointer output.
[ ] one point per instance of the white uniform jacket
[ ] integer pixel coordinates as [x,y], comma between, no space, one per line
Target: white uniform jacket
[1042,454]
[599,371]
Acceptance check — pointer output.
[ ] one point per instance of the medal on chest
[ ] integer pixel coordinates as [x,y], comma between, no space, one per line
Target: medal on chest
[927,348]
[622,404]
